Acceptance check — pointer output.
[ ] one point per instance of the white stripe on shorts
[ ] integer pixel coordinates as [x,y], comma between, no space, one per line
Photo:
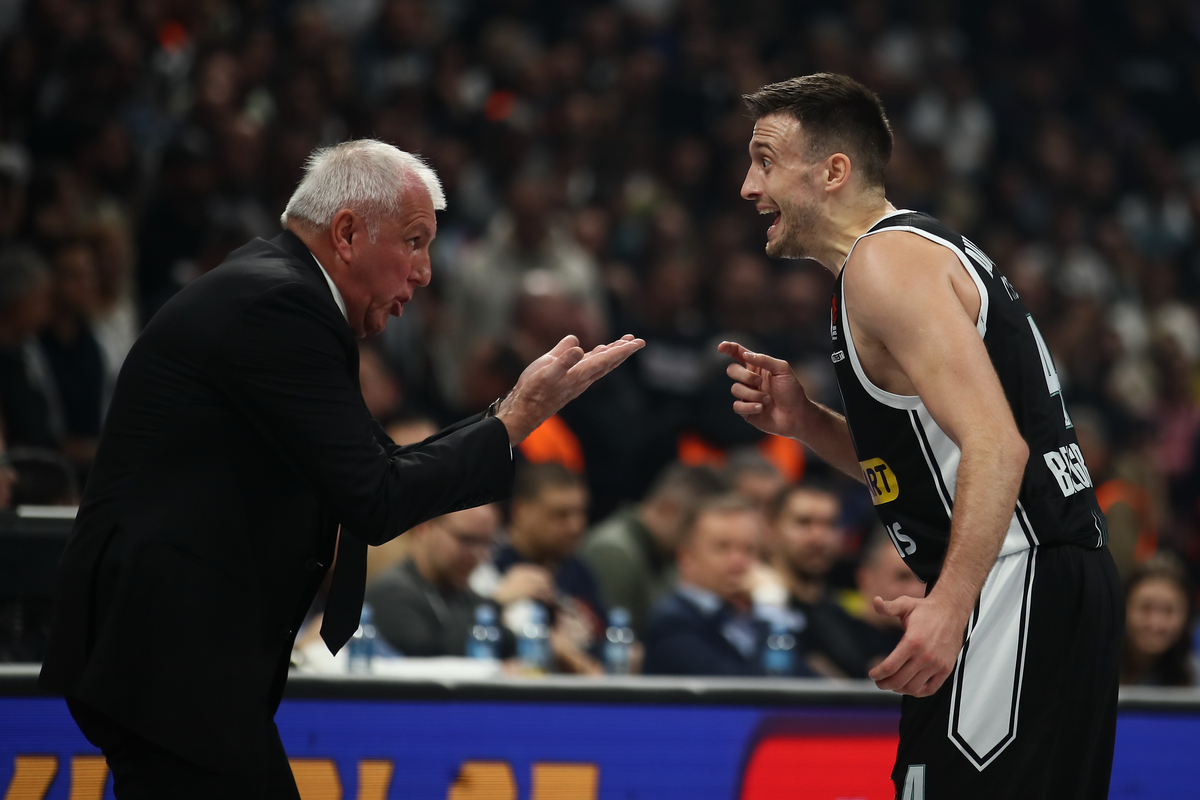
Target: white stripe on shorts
[991,666]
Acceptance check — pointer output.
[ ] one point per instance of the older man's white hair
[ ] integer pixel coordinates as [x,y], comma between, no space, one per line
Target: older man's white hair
[366,176]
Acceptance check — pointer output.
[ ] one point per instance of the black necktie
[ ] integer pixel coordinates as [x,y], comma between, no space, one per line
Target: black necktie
[343,608]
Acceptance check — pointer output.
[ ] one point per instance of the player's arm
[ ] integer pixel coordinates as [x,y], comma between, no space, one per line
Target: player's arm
[900,293]
[770,397]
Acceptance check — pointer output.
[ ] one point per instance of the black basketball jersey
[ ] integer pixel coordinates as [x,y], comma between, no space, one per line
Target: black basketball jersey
[911,465]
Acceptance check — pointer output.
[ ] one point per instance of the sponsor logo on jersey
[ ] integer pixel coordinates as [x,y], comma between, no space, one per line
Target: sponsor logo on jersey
[1067,467]
[838,356]
[833,319]
[881,481]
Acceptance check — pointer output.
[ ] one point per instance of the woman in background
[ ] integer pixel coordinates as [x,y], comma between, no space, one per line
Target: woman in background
[1158,639]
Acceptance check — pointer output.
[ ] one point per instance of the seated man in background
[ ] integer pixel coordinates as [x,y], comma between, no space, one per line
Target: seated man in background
[632,553]
[423,605]
[806,537]
[881,573]
[706,626]
[549,516]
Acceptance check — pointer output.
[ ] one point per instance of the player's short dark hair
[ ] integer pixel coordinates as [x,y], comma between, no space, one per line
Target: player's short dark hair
[838,115]
[533,479]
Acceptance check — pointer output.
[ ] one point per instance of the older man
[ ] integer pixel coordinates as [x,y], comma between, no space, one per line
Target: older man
[236,444]
[705,627]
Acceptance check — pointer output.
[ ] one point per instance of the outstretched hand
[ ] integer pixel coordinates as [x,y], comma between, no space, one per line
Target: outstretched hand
[925,657]
[557,378]
[767,393]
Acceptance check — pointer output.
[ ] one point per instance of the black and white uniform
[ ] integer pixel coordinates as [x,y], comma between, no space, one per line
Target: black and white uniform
[1030,710]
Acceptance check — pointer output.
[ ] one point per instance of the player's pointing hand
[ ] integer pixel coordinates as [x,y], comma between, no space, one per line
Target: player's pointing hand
[766,392]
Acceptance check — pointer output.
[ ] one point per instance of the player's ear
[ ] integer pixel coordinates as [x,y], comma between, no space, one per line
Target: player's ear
[837,171]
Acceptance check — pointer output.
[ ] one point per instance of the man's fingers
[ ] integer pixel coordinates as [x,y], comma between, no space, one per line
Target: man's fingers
[894,608]
[749,395]
[893,663]
[564,345]
[597,365]
[732,349]
[775,366]
[568,359]
[747,409]
[743,375]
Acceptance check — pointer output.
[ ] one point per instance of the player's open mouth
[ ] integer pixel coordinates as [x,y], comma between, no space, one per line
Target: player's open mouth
[774,223]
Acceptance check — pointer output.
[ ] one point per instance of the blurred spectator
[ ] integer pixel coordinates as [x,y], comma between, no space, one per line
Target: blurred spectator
[549,515]
[76,362]
[381,390]
[28,397]
[43,478]
[881,573]
[1158,631]
[706,626]
[423,605]
[597,152]
[806,537]
[753,477]
[525,247]
[401,429]
[8,476]
[114,320]
[632,553]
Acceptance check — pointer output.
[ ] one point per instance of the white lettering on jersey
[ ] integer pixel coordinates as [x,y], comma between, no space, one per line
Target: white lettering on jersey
[980,257]
[838,356]
[1067,467]
[904,543]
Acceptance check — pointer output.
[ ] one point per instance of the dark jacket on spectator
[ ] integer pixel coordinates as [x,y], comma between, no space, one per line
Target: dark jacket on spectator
[236,443]
[691,632]
[419,619]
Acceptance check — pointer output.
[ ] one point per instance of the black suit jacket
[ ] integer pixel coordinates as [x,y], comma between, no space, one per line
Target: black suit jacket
[236,442]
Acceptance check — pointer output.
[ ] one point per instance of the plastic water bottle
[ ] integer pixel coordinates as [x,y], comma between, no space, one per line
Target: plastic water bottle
[533,640]
[780,656]
[483,640]
[619,640]
[361,648]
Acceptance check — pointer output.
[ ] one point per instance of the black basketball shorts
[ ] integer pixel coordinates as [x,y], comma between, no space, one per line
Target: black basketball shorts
[1030,710]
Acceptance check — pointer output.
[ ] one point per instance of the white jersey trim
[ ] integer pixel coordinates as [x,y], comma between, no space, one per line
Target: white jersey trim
[890,399]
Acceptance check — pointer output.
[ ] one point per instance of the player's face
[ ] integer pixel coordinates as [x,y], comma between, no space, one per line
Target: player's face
[1156,616]
[809,533]
[387,272]
[722,549]
[782,182]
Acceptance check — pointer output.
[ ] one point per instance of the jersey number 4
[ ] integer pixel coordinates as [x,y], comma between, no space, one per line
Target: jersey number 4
[914,783]
[1048,370]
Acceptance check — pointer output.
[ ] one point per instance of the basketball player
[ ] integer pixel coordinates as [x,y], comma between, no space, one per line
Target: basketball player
[955,421]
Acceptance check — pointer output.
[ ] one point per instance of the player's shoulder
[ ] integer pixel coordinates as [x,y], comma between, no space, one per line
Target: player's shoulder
[895,256]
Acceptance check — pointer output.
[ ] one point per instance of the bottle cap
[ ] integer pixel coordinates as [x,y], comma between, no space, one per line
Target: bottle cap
[618,617]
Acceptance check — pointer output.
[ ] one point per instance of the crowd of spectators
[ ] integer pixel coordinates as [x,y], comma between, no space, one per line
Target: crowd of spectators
[592,154]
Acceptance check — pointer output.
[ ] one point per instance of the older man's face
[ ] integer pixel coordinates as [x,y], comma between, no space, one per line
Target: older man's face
[385,273]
